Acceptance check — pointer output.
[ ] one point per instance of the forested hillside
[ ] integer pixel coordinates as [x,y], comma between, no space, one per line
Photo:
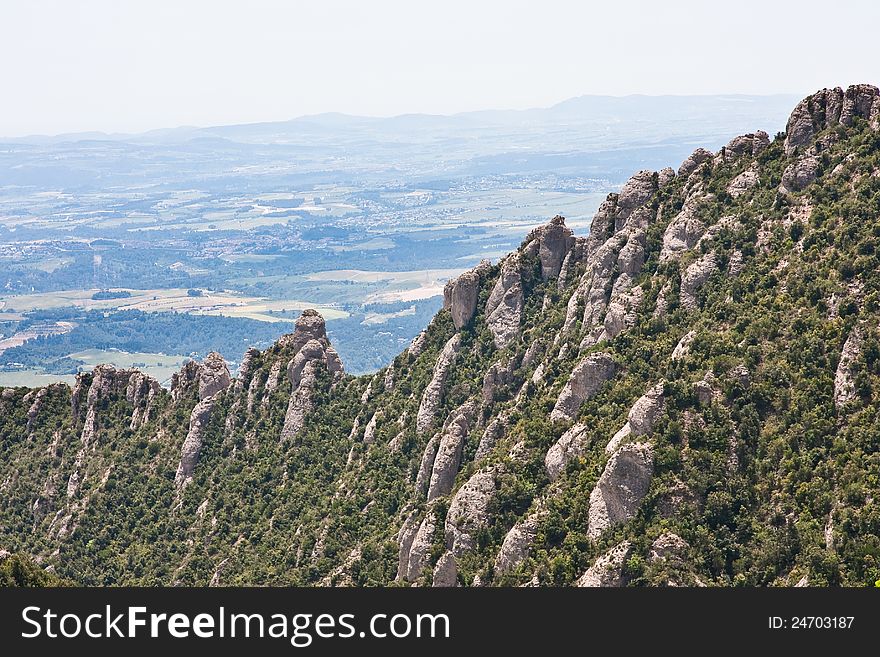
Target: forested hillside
[688,395]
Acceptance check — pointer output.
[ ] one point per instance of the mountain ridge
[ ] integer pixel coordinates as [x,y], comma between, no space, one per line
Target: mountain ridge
[685,396]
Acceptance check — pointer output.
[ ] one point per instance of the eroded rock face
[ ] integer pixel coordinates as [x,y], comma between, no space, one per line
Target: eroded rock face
[693,161]
[493,432]
[312,352]
[192,445]
[844,377]
[743,183]
[213,376]
[505,304]
[448,458]
[554,241]
[695,277]
[621,488]
[469,511]
[141,393]
[518,543]
[432,397]
[584,382]
[668,546]
[641,418]
[405,537]
[571,445]
[607,570]
[637,191]
[417,346]
[684,231]
[460,295]
[446,571]
[800,173]
[683,347]
[751,144]
[827,108]
[496,377]
[420,549]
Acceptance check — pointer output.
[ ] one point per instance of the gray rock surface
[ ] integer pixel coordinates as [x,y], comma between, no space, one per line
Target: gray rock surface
[607,570]
[585,381]
[695,277]
[420,549]
[684,230]
[800,173]
[844,377]
[460,295]
[469,511]
[432,397]
[827,108]
[192,445]
[554,241]
[505,304]
[743,183]
[518,543]
[448,458]
[621,488]
[683,348]
[213,376]
[446,571]
[571,445]
[693,161]
[641,418]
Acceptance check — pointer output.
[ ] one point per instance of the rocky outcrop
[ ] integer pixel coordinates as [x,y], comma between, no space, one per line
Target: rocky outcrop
[827,108]
[213,376]
[417,346]
[844,377]
[695,277]
[469,511]
[621,488]
[496,377]
[572,445]
[584,382]
[684,230]
[683,347]
[505,304]
[448,458]
[370,429]
[800,173]
[192,445]
[141,392]
[641,418]
[493,432]
[405,537]
[312,353]
[552,243]
[743,183]
[419,557]
[426,467]
[667,546]
[460,295]
[637,191]
[432,397]
[446,571]
[518,542]
[751,144]
[37,398]
[693,161]
[607,570]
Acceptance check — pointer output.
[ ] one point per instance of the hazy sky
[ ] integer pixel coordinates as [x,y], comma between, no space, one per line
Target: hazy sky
[132,65]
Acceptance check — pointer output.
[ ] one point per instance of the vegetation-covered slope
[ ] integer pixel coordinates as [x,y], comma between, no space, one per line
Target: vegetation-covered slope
[689,396]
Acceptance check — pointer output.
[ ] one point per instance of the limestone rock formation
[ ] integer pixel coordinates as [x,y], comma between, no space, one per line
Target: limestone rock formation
[751,144]
[213,376]
[621,488]
[496,377]
[641,418]
[420,549]
[448,458]
[552,241]
[518,542]
[695,277]
[446,571]
[192,446]
[469,511]
[844,377]
[693,161]
[827,108]
[312,352]
[505,304]
[460,295]
[683,347]
[607,570]
[800,173]
[743,183]
[405,536]
[432,397]
[570,446]
[684,231]
[584,382]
